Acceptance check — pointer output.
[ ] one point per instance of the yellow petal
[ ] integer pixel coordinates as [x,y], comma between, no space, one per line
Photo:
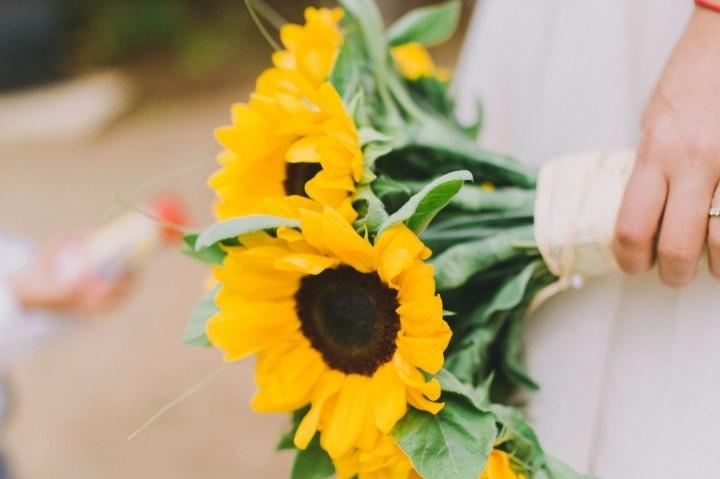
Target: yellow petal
[306,263]
[418,401]
[388,398]
[312,230]
[421,317]
[369,433]
[346,244]
[328,386]
[414,380]
[347,417]
[425,352]
[398,249]
[417,282]
[304,150]
[242,328]
[289,385]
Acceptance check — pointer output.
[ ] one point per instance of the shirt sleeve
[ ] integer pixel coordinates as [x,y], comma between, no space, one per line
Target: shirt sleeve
[20,330]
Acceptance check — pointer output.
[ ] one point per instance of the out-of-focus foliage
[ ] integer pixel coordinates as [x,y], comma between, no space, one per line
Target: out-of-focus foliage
[198,36]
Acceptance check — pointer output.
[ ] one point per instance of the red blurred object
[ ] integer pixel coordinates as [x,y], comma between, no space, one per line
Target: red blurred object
[170,209]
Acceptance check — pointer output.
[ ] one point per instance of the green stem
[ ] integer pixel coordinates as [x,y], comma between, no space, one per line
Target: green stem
[370,21]
[261,26]
[269,14]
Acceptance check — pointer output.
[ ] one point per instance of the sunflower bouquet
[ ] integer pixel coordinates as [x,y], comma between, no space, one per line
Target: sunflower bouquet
[337,179]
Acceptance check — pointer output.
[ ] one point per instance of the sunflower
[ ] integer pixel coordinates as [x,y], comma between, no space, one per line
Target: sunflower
[385,460]
[311,49]
[336,323]
[290,143]
[414,62]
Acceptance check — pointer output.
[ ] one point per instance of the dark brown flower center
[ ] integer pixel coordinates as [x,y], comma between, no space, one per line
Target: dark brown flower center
[350,318]
[297,174]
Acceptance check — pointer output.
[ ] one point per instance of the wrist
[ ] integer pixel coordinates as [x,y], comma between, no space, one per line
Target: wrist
[23,293]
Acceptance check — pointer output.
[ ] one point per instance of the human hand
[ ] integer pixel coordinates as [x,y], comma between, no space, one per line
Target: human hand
[678,165]
[41,287]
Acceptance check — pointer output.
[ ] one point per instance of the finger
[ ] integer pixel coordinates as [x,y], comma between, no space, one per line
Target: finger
[684,227]
[639,218]
[713,239]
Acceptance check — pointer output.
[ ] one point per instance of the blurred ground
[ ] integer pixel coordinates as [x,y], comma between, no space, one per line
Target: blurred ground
[78,399]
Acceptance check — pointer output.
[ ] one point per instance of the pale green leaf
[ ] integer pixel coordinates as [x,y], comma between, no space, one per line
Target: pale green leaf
[234,227]
[525,443]
[312,463]
[371,26]
[480,329]
[429,25]
[556,469]
[455,443]
[422,207]
[458,263]
[371,135]
[213,254]
[195,330]
[371,211]
[346,73]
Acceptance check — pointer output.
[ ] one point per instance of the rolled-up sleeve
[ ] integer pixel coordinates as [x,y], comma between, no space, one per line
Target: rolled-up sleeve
[20,330]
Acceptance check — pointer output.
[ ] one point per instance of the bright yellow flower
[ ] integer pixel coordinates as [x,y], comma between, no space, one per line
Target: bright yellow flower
[498,467]
[335,322]
[290,143]
[312,48]
[414,61]
[385,460]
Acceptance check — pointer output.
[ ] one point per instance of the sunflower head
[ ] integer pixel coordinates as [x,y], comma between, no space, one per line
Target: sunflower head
[291,143]
[311,49]
[414,62]
[385,460]
[336,322]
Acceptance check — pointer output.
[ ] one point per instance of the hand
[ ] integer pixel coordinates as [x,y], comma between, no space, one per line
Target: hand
[39,287]
[678,166]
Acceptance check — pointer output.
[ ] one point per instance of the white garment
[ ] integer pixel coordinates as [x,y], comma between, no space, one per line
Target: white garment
[20,330]
[629,369]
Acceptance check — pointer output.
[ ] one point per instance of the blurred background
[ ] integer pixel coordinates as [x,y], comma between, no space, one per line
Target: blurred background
[104,103]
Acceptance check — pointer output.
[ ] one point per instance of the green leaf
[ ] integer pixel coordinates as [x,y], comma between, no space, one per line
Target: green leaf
[373,151]
[455,443]
[385,186]
[457,264]
[449,383]
[422,207]
[430,25]
[346,73]
[213,254]
[369,134]
[312,462]
[371,210]
[371,26]
[475,198]
[234,227]
[556,469]
[480,330]
[205,309]
[524,443]
[437,134]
